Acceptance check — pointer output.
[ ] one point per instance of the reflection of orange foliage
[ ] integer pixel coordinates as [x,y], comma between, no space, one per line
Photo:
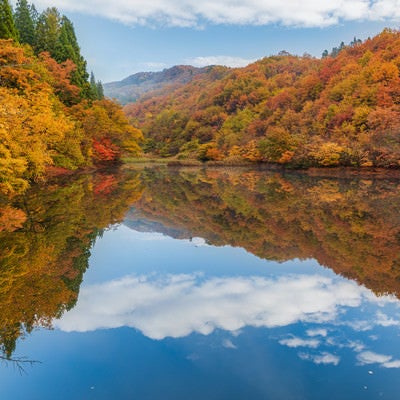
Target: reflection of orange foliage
[11,219]
[351,226]
[42,265]
[105,185]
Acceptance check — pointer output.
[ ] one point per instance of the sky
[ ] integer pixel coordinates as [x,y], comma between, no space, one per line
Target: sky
[121,37]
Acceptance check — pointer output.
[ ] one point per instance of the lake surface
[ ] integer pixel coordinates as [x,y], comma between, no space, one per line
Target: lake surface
[163,283]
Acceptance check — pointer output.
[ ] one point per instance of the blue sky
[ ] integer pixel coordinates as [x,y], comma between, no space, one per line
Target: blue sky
[121,37]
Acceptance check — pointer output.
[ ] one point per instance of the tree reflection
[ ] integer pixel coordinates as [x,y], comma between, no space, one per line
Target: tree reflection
[351,225]
[45,240]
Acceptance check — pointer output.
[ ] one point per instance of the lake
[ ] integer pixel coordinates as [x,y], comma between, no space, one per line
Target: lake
[187,283]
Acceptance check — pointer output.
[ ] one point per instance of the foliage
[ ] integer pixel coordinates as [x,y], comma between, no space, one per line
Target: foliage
[44,122]
[7,25]
[342,109]
[25,16]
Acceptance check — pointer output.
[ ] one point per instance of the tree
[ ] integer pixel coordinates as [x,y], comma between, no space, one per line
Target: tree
[67,48]
[48,31]
[100,90]
[7,26]
[56,35]
[24,17]
[96,88]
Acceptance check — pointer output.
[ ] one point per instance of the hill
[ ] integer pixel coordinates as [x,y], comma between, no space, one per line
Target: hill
[342,109]
[134,86]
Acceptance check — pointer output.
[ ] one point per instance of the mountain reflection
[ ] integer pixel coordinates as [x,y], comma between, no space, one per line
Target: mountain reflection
[351,225]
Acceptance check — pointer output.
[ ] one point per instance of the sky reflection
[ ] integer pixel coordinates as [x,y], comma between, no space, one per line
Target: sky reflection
[319,308]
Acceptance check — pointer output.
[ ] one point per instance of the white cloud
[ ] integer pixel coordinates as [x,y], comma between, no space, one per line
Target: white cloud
[228,344]
[356,346]
[192,13]
[228,61]
[386,361]
[197,242]
[177,305]
[317,332]
[322,358]
[298,342]
[384,320]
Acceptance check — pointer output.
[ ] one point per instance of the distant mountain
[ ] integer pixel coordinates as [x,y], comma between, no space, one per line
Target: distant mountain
[134,86]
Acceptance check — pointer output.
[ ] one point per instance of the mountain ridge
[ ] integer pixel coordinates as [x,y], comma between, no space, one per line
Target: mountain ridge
[134,86]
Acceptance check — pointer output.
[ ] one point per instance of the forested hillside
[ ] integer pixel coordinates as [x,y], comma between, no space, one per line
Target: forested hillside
[51,113]
[134,86]
[342,109]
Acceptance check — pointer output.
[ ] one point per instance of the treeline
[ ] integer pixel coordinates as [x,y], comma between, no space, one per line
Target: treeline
[52,114]
[342,109]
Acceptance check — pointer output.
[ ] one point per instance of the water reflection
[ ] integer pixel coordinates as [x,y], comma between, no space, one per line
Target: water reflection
[179,305]
[45,239]
[349,225]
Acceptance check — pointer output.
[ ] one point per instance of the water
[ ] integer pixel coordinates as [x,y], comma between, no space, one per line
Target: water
[217,284]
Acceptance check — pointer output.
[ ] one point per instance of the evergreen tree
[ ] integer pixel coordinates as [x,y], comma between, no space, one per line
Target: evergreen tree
[100,90]
[48,31]
[68,48]
[96,88]
[24,17]
[7,26]
[93,86]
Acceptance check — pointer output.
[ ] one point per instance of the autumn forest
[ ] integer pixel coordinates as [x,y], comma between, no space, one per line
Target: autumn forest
[52,114]
[342,109]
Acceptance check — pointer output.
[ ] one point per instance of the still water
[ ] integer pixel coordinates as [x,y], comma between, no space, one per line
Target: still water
[201,284]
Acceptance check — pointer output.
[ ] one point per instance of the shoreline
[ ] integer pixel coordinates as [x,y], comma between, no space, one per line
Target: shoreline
[334,172]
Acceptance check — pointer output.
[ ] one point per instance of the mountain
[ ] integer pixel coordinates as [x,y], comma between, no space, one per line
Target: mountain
[134,86]
[339,110]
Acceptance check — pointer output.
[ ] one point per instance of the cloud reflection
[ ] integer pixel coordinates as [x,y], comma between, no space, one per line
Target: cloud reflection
[323,358]
[177,305]
[386,361]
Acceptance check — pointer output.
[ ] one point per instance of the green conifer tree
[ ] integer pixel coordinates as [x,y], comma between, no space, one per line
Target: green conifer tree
[93,87]
[100,90]
[7,26]
[48,31]
[24,18]
[68,48]
[96,88]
